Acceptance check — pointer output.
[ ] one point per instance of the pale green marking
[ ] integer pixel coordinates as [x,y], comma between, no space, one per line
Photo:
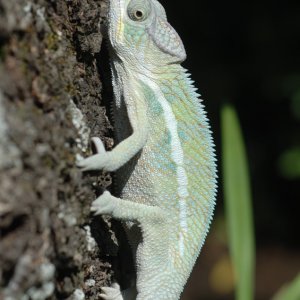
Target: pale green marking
[153,105]
[134,35]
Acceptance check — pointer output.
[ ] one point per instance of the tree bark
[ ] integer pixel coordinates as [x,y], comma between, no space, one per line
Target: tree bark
[50,106]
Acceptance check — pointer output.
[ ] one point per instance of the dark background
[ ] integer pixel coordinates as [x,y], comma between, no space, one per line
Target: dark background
[248,53]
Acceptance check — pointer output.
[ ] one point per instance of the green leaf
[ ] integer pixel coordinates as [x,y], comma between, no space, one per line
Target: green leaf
[238,207]
[289,291]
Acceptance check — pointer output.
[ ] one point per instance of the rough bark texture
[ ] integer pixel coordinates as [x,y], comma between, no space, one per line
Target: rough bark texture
[50,105]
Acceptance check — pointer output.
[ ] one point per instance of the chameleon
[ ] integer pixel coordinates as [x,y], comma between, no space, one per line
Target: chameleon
[164,159]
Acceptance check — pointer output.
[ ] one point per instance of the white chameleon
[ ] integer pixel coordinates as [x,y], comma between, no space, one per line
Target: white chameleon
[164,159]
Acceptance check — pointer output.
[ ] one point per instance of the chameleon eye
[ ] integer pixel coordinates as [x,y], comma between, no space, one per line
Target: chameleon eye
[138,10]
[138,14]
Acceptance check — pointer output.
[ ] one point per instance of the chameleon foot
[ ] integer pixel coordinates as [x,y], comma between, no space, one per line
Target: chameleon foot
[114,293]
[111,293]
[105,204]
[97,161]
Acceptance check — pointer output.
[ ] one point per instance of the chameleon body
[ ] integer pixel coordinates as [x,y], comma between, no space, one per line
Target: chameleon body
[164,159]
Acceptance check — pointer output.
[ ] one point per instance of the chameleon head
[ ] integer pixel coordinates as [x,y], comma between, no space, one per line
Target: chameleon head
[139,33]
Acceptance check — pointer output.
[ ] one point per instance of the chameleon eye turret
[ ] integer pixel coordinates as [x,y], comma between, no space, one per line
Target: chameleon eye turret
[139,10]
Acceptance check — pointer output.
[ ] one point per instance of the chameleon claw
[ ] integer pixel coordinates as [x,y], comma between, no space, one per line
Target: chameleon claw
[98,145]
[97,161]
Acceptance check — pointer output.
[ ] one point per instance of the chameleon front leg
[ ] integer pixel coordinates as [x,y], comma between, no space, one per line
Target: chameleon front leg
[123,152]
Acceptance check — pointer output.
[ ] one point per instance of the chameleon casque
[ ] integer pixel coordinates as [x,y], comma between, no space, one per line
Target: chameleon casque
[164,157]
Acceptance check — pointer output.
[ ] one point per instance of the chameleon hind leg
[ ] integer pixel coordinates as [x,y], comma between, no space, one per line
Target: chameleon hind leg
[153,222]
[126,210]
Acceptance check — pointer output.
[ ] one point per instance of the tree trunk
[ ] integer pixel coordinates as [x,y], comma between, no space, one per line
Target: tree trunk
[50,106]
